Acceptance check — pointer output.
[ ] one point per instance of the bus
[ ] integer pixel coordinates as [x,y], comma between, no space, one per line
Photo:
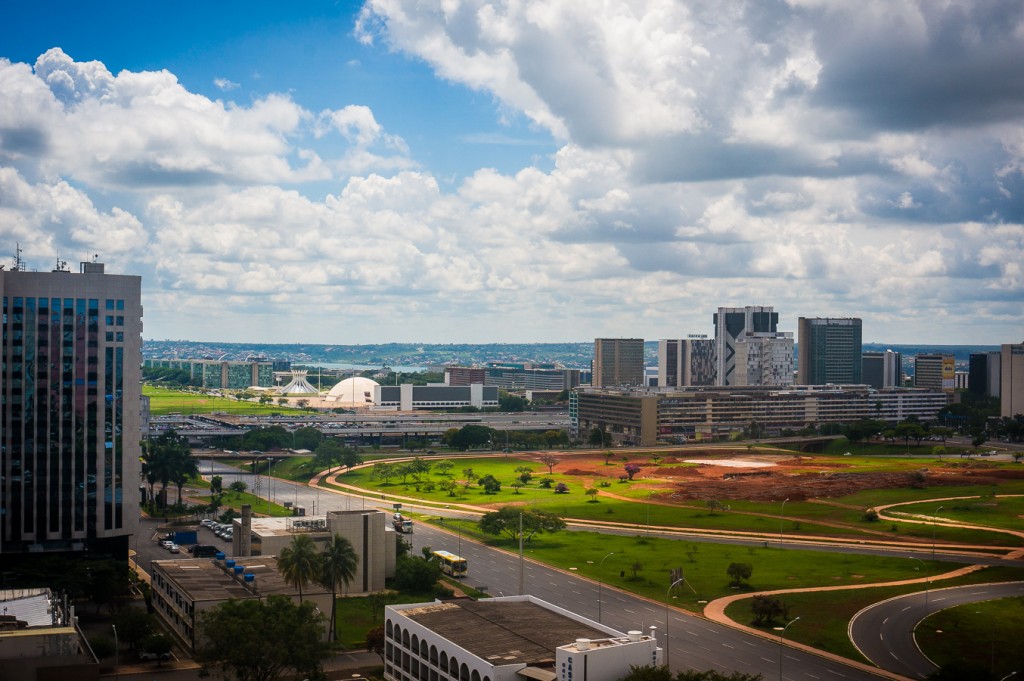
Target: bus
[450,563]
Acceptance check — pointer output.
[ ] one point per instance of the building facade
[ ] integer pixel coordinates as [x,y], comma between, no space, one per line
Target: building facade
[510,638]
[515,376]
[763,359]
[618,362]
[733,323]
[373,540]
[407,397]
[649,417]
[70,411]
[984,373]
[686,362]
[935,372]
[882,369]
[216,375]
[1011,380]
[183,589]
[829,351]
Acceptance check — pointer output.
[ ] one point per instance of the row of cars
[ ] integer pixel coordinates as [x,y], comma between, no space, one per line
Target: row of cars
[222,530]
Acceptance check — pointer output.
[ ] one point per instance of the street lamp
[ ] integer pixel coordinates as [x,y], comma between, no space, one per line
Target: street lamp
[782,518]
[933,530]
[599,566]
[781,637]
[117,654]
[667,596]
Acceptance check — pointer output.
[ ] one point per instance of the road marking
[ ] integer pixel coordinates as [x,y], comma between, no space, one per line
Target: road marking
[885,620]
[729,646]
[905,609]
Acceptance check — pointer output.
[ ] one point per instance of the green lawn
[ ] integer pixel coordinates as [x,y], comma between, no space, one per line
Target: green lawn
[985,635]
[164,401]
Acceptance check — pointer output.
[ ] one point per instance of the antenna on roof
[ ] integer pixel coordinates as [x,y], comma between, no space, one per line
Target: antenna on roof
[19,264]
[62,265]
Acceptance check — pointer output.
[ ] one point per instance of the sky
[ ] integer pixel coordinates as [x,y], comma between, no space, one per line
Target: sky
[523,171]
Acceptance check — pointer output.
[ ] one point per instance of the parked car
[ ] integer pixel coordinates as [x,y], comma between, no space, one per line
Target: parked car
[146,655]
[166,543]
[174,548]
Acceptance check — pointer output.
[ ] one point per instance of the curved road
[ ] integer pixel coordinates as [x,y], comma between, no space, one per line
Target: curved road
[884,632]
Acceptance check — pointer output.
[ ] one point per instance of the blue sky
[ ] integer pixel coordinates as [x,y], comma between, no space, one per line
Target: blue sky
[538,170]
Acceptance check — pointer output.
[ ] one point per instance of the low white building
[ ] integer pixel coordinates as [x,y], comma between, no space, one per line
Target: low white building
[513,638]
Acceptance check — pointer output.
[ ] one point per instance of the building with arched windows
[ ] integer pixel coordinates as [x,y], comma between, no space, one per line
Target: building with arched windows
[513,638]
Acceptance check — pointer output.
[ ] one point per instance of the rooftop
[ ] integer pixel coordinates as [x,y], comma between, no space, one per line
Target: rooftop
[206,579]
[504,631]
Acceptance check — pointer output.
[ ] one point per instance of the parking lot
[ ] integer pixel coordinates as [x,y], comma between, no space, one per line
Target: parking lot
[148,547]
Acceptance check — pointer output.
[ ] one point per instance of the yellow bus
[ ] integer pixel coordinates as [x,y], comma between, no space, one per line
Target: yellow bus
[450,563]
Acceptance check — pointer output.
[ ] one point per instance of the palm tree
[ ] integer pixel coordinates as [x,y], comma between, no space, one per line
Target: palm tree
[299,563]
[185,467]
[338,565]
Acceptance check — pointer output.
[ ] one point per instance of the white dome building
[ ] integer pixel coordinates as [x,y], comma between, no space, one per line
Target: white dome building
[353,392]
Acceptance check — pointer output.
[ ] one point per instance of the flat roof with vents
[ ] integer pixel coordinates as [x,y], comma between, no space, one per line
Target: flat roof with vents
[504,631]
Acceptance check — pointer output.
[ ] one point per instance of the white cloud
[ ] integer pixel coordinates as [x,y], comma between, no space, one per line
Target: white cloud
[225,84]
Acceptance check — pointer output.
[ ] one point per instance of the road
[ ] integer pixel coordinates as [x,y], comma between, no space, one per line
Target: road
[884,632]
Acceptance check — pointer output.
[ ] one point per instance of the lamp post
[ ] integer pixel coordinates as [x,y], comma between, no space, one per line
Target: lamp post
[782,518]
[781,637]
[599,573]
[933,530]
[117,654]
[668,595]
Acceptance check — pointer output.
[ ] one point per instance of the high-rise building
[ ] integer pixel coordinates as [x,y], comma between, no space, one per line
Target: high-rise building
[763,359]
[829,351]
[685,362]
[983,373]
[1011,380]
[934,371]
[733,323]
[70,416]
[882,369]
[618,362]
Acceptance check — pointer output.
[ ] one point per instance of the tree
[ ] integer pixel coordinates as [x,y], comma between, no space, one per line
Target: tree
[338,564]
[238,487]
[444,466]
[608,458]
[766,609]
[383,470]
[490,484]
[561,488]
[216,485]
[416,575]
[350,457]
[632,469]
[550,460]
[598,437]
[299,562]
[326,454]
[663,673]
[592,493]
[468,436]
[307,437]
[376,640]
[739,572]
[167,458]
[449,486]
[507,402]
[516,485]
[506,520]
[134,625]
[262,640]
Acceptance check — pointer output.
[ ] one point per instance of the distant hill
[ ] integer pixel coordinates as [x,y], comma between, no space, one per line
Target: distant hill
[572,355]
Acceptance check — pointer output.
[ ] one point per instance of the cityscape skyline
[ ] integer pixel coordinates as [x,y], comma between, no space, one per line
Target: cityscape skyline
[481,171]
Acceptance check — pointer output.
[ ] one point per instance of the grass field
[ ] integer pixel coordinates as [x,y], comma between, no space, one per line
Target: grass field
[163,401]
[985,635]
[841,517]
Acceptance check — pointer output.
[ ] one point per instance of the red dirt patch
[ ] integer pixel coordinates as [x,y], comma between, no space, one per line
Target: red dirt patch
[793,477]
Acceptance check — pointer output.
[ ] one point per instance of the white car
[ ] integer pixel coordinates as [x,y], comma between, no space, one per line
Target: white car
[174,548]
[166,543]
